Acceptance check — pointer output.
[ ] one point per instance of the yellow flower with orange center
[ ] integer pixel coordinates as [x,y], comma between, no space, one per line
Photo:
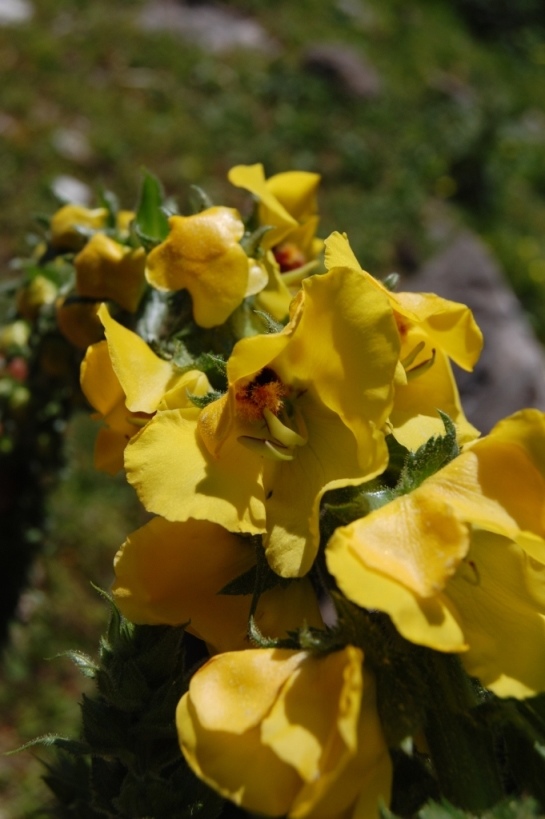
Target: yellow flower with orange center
[432,331]
[302,415]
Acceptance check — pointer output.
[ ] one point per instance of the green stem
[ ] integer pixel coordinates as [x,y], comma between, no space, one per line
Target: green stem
[462,750]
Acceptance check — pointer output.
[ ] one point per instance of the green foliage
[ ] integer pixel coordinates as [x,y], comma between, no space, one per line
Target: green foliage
[428,458]
[150,224]
[128,763]
[405,472]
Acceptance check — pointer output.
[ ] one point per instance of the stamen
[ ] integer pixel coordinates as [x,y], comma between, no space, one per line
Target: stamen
[280,432]
[138,420]
[470,572]
[408,360]
[420,369]
[264,391]
[266,449]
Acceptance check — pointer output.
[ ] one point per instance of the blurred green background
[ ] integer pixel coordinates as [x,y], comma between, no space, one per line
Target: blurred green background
[412,112]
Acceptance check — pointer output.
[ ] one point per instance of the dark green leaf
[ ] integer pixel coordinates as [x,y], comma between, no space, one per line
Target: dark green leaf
[429,458]
[151,224]
[202,401]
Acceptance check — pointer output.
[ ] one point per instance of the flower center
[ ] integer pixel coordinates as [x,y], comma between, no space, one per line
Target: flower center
[264,399]
[265,391]
[289,256]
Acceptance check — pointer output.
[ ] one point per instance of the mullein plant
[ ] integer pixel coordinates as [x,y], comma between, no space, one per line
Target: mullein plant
[337,607]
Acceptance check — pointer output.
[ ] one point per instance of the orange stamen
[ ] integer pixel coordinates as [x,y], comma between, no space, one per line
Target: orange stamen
[264,391]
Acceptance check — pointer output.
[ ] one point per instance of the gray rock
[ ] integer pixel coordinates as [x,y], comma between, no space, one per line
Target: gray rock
[72,190]
[510,374]
[214,28]
[15,11]
[345,68]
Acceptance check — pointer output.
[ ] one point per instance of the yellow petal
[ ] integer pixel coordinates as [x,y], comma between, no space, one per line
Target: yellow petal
[317,712]
[415,418]
[172,573]
[450,326]
[223,760]
[275,297]
[293,490]
[202,254]
[252,719]
[272,212]
[248,683]
[78,322]
[106,269]
[495,486]
[354,787]
[66,220]
[296,192]
[415,539]
[143,376]
[98,380]
[340,322]
[432,621]
[500,594]
[176,477]
[338,252]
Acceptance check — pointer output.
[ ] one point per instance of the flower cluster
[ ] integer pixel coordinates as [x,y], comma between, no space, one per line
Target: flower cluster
[322,507]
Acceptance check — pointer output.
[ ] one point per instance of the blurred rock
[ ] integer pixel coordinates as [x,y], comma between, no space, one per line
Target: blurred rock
[510,374]
[70,189]
[15,11]
[345,68]
[214,28]
[72,144]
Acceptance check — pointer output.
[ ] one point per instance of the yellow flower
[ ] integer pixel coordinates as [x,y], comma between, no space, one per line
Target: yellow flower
[78,322]
[66,221]
[70,223]
[38,293]
[432,330]
[285,733]
[203,254]
[107,270]
[303,414]
[126,382]
[287,202]
[459,563]
[172,573]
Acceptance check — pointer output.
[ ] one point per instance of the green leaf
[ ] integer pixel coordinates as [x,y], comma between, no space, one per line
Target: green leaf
[202,401]
[151,223]
[199,199]
[251,242]
[108,199]
[391,281]
[271,325]
[442,810]
[86,665]
[429,458]
[72,746]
